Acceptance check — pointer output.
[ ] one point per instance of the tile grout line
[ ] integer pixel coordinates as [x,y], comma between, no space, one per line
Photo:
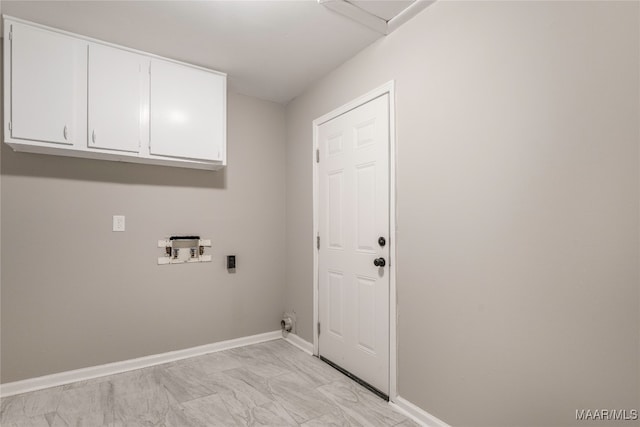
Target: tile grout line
[313,377]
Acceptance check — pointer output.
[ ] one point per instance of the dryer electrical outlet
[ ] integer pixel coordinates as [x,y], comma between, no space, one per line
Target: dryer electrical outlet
[231,262]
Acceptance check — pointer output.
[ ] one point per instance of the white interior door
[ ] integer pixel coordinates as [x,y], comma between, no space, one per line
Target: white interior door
[353,215]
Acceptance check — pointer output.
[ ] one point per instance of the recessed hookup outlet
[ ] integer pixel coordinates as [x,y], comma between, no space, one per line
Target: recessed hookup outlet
[289,319]
[231,262]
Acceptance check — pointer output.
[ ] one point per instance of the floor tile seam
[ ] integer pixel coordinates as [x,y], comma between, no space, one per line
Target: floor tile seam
[293,417]
[280,375]
[327,401]
[234,416]
[202,383]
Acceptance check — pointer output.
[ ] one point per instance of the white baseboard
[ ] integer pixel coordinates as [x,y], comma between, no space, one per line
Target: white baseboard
[303,345]
[417,414]
[67,377]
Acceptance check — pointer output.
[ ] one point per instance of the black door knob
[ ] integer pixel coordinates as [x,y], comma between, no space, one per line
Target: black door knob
[382,241]
[379,262]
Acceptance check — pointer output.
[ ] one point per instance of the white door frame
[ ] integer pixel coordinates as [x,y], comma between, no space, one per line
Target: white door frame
[389,88]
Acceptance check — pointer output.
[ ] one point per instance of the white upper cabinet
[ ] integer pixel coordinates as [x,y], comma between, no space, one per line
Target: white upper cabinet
[43,104]
[70,95]
[187,112]
[115,88]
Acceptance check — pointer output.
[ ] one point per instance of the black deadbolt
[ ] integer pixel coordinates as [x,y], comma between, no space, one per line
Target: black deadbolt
[379,262]
[382,241]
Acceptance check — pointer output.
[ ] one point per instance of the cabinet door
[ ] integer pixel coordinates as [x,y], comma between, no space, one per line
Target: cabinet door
[114,91]
[187,112]
[43,76]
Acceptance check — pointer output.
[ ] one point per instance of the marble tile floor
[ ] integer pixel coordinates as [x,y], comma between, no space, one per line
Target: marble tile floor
[267,384]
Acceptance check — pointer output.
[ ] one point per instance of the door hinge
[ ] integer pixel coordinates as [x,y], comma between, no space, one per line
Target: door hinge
[317,155]
[9,125]
[11,34]
[318,241]
[318,328]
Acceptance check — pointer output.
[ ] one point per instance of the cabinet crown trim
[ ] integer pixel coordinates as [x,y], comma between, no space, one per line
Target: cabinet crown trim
[6,18]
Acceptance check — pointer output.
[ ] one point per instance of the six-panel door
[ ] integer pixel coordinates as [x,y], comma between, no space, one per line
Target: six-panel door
[353,211]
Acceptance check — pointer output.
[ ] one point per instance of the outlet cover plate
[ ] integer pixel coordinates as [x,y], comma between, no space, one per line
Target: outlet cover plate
[118,223]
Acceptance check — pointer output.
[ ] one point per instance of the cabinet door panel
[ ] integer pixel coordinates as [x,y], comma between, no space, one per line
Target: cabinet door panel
[43,67]
[114,98]
[187,112]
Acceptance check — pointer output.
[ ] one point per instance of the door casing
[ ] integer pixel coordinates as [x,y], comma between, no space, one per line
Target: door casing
[389,88]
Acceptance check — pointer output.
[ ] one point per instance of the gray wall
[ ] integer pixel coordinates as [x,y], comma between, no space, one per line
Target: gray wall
[518,220]
[75,294]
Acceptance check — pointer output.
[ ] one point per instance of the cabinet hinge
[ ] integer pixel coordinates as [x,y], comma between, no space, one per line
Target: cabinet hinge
[318,241]
[318,328]
[317,155]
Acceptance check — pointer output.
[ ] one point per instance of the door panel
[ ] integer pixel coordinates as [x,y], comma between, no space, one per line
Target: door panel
[336,290]
[335,211]
[365,207]
[353,213]
[366,308]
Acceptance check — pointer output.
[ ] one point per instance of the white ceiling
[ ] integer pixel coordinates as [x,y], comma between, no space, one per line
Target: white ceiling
[270,49]
[383,9]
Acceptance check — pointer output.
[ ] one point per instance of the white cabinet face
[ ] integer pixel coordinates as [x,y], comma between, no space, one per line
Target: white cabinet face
[43,78]
[69,95]
[187,112]
[114,83]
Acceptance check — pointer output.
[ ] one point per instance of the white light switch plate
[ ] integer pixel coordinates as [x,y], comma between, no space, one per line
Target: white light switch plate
[118,223]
